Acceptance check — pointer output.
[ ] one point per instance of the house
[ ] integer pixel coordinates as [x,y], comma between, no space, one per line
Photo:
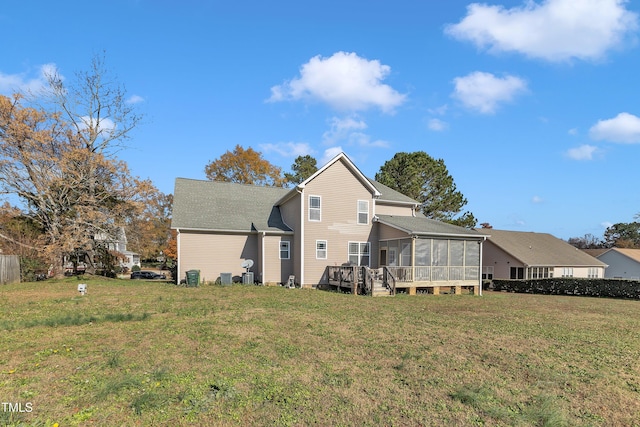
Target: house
[622,263]
[312,233]
[118,243]
[527,255]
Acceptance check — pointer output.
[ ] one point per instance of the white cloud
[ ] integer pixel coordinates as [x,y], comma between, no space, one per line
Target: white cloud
[329,154]
[584,152]
[135,99]
[437,125]
[11,83]
[483,92]
[537,199]
[288,149]
[348,130]
[553,30]
[344,81]
[341,128]
[104,126]
[624,128]
[364,140]
[573,132]
[439,111]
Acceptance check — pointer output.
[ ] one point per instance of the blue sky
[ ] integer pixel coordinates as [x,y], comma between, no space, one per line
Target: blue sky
[533,105]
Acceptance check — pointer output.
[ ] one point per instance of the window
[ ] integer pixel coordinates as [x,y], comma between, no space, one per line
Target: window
[321,249]
[540,272]
[314,208]
[363,212]
[567,272]
[359,253]
[285,253]
[517,273]
[487,273]
[592,273]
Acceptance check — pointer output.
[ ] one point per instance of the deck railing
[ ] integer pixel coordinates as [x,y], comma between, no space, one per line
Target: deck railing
[434,273]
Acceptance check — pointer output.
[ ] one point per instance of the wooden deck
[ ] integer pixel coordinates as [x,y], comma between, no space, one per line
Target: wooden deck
[383,282]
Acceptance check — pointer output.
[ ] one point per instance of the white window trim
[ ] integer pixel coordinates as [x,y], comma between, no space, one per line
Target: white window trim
[315,209]
[362,212]
[326,249]
[288,243]
[359,254]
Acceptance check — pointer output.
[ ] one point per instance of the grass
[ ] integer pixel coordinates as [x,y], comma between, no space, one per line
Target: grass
[145,353]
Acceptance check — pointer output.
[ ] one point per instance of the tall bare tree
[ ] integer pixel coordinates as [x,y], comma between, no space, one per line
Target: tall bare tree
[58,155]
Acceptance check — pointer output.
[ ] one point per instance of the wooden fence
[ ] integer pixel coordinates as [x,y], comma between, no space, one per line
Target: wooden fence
[9,269]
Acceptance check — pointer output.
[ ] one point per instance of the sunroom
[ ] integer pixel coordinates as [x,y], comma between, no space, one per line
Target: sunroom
[426,256]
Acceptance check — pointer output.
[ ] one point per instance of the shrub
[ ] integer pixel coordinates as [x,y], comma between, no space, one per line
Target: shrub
[608,288]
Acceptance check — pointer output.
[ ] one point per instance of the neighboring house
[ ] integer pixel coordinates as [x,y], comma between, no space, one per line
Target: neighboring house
[527,255]
[336,216]
[622,263]
[118,243]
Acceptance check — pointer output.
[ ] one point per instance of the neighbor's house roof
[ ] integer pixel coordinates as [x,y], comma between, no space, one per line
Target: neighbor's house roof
[422,226]
[633,254]
[595,252]
[540,249]
[224,206]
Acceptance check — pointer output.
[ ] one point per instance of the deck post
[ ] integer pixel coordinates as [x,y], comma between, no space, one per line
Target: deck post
[458,290]
[356,279]
[436,290]
[412,290]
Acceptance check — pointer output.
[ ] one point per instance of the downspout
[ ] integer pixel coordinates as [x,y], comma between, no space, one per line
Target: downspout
[301,192]
[263,267]
[178,255]
[480,242]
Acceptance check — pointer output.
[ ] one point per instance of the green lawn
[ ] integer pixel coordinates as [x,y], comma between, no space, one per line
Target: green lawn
[144,353]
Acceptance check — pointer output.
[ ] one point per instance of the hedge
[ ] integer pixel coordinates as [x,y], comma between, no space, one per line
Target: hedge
[607,288]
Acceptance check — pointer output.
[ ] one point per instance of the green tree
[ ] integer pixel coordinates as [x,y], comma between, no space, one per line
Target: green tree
[623,235]
[427,180]
[244,167]
[302,168]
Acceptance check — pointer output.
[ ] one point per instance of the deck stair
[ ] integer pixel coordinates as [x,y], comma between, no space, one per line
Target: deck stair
[380,289]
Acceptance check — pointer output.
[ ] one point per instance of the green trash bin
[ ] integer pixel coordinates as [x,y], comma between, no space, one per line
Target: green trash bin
[193,278]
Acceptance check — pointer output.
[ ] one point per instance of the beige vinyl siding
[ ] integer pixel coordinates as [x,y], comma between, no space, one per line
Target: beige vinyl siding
[340,191]
[386,233]
[290,212]
[213,254]
[277,270]
[388,209]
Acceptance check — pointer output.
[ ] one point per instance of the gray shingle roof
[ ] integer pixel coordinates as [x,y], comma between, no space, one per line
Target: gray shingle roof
[211,205]
[427,227]
[387,193]
[540,249]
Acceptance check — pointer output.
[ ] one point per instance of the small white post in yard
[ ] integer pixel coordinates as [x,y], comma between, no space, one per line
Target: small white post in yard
[82,288]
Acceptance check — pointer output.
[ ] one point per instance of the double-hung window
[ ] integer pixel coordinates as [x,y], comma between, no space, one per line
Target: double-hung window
[359,253]
[567,272]
[321,249]
[363,212]
[315,207]
[285,250]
